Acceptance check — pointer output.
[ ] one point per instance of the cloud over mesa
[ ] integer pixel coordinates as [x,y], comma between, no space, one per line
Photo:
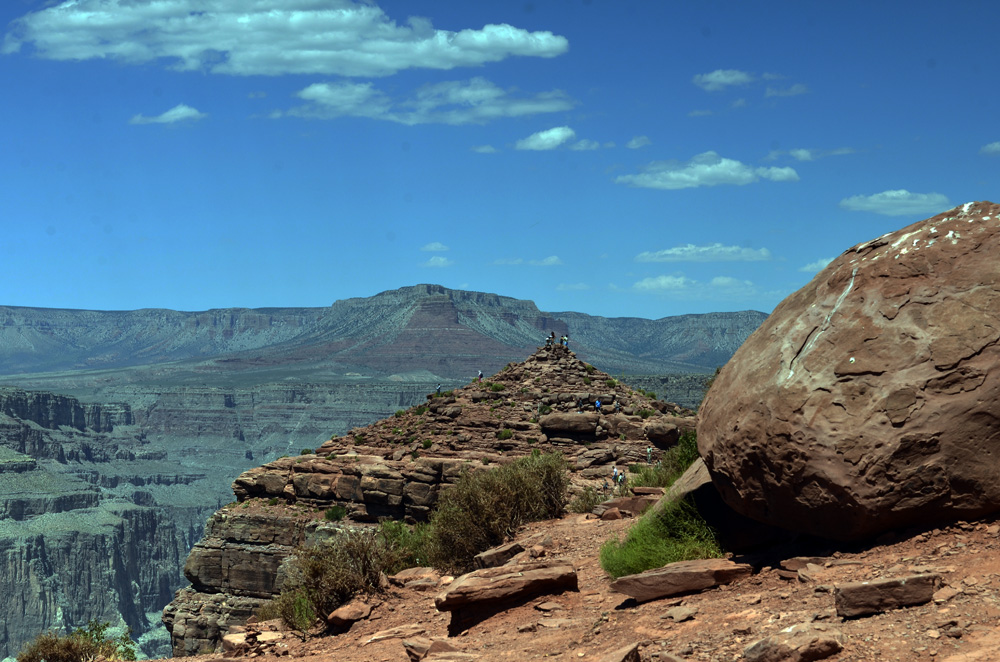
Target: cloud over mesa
[711,253]
[705,169]
[899,202]
[342,38]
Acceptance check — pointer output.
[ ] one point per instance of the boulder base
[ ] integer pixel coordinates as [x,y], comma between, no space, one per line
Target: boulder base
[869,399]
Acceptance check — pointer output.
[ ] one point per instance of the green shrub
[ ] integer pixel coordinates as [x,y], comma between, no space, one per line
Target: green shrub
[672,464]
[586,380]
[427,443]
[335,513]
[273,501]
[399,413]
[585,502]
[410,544]
[589,368]
[674,533]
[545,409]
[325,576]
[421,410]
[646,413]
[506,433]
[610,383]
[496,388]
[306,451]
[83,645]
[484,508]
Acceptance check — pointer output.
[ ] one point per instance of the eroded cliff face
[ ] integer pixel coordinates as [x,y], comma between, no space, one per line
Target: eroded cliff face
[77,541]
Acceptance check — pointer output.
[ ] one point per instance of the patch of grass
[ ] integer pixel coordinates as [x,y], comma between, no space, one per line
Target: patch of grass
[611,383]
[399,413]
[589,368]
[485,508]
[674,533]
[496,388]
[306,451]
[335,513]
[672,464]
[427,443]
[646,413]
[421,410]
[585,502]
[506,433]
[586,380]
[410,543]
[545,409]
[273,501]
[82,645]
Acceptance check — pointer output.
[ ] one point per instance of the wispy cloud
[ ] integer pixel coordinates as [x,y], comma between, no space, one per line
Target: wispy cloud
[720,79]
[572,287]
[475,101]
[992,148]
[802,154]
[484,149]
[550,261]
[899,202]
[817,266]
[679,286]
[585,145]
[639,142]
[547,139]
[709,253]
[434,247]
[437,262]
[793,91]
[706,169]
[179,113]
[344,38]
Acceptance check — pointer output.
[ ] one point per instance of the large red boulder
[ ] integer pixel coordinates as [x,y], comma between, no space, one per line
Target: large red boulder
[870,399]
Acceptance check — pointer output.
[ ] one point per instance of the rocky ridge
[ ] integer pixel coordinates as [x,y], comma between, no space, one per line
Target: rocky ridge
[396,467]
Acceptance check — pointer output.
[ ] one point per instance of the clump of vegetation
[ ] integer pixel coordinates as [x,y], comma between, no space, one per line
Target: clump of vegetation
[611,383]
[646,413]
[411,544]
[505,433]
[306,451]
[484,508]
[427,443]
[496,388]
[335,513]
[399,413]
[545,409]
[586,380]
[420,410]
[586,501]
[273,501]
[325,576]
[82,645]
[589,368]
[676,532]
[671,465]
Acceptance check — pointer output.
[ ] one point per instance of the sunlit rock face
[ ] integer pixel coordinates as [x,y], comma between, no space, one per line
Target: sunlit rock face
[870,399]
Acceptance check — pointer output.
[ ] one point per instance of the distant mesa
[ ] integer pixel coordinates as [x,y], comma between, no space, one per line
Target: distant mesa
[868,400]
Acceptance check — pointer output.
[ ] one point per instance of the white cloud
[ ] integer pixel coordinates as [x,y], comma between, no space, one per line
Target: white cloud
[237,37]
[474,101]
[728,282]
[700,113]
[721,79]
[639,142]
[899,202]
[178,113]
[434,247]
[793,91]
[550,261]
[802,154]
[437,261]
[484,149]
[710,253]
[992,148]
[664,283]
[706,169]
[545,140]
[817,266]
[585,145]
[572,287]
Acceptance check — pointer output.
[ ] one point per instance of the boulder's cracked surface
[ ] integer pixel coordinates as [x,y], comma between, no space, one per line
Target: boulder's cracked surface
[868,400]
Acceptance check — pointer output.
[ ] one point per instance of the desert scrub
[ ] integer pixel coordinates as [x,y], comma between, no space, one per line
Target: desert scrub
[675,532]
[586,501]
[82,645]
[506,433]
[306,451]
[496,388]
[485,508]
[323,577]
[427,443]
[335,513]
[411,544]
[672,464]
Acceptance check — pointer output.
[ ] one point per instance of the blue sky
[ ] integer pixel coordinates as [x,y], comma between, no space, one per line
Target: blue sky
[618,158]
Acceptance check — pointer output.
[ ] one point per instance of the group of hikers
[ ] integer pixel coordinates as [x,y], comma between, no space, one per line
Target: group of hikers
[551,340]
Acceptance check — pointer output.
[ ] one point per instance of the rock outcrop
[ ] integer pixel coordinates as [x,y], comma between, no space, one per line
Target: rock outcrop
[397,467]
[868,400]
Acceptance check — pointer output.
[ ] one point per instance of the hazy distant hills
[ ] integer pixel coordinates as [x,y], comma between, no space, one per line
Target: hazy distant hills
[424,330]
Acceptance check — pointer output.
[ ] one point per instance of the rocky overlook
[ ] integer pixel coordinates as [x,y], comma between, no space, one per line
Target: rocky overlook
[396,467]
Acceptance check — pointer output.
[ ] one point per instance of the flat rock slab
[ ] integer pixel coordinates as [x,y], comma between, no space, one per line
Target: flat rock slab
[507,584]
[497,556]
[799,643]
[681,577]
[864,598]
